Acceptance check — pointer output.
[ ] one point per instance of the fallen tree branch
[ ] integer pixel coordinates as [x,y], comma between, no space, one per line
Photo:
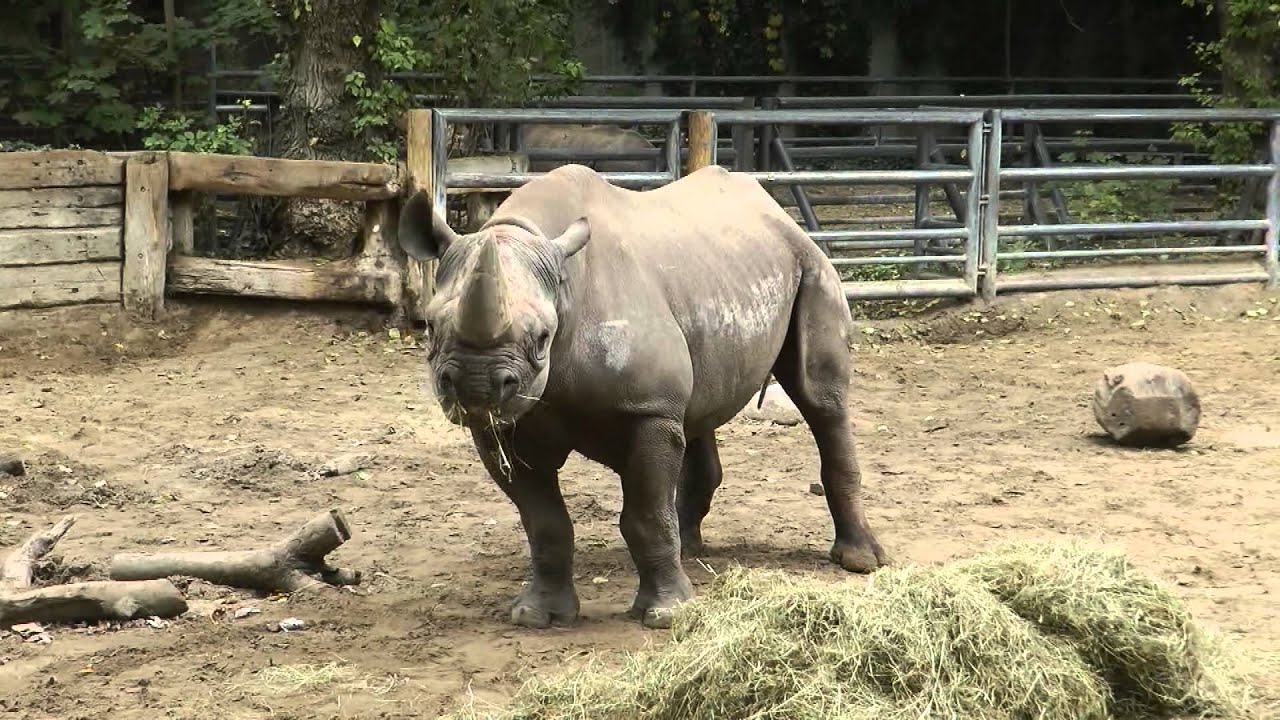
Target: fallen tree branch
[86,601]
[18,570]
[290,565]
[92,601]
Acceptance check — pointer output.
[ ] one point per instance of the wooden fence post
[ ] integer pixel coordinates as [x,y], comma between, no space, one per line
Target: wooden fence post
[182,208]
[420,276]
[702,140]
[146,233]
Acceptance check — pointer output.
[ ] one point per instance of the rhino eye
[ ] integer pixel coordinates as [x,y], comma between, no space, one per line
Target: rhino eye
[544,341]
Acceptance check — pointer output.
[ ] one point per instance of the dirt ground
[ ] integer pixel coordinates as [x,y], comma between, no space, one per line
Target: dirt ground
[205,432]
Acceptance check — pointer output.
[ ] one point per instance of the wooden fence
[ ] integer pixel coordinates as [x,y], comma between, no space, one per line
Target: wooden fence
[62,218]
[79,227]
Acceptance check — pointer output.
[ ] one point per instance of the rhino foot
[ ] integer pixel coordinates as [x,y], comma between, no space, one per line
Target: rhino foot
[657,612]
[541,608]
[864,556]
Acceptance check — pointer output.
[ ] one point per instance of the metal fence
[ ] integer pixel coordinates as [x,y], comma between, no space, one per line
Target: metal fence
[973,244]
[994,231]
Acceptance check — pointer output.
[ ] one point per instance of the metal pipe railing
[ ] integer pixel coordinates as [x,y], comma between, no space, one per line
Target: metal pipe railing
[978,237]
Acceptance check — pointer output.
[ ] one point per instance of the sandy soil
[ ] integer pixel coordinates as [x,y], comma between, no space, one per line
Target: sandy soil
[205,432]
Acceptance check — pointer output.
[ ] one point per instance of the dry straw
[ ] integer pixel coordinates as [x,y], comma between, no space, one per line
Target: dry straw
[1051,632]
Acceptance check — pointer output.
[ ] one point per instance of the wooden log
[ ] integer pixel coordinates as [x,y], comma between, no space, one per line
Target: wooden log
[64,245]
[294,563]
[79,197]
[247,175]
[182,223]
[92,601]
[702,140]
[380,252]
[146,234]
[54,285]
[18,568]
[59,168]
[1146,405]
[338,282]
[88,601]
[60,217]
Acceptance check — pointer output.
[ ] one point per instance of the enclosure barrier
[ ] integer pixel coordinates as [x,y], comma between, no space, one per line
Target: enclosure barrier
[86,227]
[62,228]
[835,240]
[1268,272]
[985,192]
[81,226]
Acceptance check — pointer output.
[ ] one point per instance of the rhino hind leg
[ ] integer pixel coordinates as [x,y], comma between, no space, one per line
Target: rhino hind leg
[531,480]
[814,369]
[699,477]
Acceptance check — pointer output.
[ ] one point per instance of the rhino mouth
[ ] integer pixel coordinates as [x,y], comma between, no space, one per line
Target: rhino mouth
[497,419]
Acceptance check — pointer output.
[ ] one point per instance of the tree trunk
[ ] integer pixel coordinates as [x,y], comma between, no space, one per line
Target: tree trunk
[316,114]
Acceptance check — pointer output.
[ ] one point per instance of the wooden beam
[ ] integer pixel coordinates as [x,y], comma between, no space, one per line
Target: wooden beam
[60,217]
[146,234]
[702,140]
[78,197]
[281,280]
[59,168]
[182,223]
[64,245]
[53,285]
[276,177]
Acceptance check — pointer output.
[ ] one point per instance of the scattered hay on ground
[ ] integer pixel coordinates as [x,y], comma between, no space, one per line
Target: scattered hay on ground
[1026,631]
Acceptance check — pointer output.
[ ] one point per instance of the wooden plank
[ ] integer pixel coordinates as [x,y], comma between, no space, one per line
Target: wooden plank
[64,217]
[146,234]
[338,282]
[59,168]
[247,175]
[63,245]
[182,222]
[79,197]
[53,285]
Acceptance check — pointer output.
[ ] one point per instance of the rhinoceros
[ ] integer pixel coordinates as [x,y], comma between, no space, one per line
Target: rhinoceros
[627,326]
[586,138]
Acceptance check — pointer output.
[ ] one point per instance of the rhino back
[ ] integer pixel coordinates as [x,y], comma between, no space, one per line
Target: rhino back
[706,268]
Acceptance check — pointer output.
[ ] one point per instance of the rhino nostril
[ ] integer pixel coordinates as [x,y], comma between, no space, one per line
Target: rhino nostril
[508,384]
[446,383]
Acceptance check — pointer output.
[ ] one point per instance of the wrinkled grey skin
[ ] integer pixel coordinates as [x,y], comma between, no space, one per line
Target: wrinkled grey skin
[628,326]
[586,138]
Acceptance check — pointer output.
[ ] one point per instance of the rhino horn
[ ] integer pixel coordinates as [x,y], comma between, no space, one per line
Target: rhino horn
[483,312]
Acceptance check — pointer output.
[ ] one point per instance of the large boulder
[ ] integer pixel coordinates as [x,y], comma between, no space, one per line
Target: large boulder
[1141,404]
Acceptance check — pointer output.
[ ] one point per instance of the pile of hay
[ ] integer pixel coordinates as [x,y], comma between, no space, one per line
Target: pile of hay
[1026,631]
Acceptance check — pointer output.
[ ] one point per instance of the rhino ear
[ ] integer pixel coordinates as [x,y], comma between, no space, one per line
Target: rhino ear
[423,233]
[574,238]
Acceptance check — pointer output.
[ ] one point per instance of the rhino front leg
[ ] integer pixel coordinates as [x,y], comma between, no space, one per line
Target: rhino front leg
[649,523]
[531,481]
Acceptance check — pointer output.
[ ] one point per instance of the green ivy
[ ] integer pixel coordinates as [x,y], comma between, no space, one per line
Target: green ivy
[1246,56]
[84,86]
[487,52]
[168,130]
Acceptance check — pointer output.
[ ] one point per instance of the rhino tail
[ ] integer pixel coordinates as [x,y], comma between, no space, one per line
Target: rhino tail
[765,386]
